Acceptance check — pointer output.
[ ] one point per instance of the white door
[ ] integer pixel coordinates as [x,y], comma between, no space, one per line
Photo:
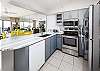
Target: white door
[36,56]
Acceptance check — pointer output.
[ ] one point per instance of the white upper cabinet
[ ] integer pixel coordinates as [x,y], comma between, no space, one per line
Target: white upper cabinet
[74,14]
[66,15]
[70,14]
[82,13]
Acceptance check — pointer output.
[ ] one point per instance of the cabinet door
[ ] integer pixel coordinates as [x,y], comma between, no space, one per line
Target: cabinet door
[96,39]
[55,42]
[87,13]
[47,48]
[66,15]
[21,59]
[82,13]
[7,63]
[59,41]
[74,14]
[36,56]
[52,45]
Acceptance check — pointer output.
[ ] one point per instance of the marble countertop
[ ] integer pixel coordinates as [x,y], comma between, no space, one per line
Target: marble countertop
[17,42]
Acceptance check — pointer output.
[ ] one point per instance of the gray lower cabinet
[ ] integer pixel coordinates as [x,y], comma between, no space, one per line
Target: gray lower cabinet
[59,41]
[21,59]
[52,43]
[55,41]
[30,58]
[47,48]
[7,63]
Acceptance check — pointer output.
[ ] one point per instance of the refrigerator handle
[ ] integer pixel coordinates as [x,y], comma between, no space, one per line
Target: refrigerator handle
[99,54]
[91,39]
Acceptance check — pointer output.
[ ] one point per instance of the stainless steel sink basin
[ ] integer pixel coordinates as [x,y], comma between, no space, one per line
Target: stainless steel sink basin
[45,35]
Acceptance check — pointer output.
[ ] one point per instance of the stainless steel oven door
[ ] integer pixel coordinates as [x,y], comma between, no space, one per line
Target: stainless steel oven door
[70,42]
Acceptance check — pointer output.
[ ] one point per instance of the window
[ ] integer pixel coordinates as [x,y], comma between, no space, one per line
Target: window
[31,24]
[13,23]
[0,26]
[6,25]
[21,24]
[26,24]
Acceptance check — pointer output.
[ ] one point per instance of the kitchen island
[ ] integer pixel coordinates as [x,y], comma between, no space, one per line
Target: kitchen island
[25,53]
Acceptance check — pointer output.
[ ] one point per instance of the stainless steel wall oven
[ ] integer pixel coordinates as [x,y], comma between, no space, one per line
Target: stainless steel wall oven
[70,43]
[70,36]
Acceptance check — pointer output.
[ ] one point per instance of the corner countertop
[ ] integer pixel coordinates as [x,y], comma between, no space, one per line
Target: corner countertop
[18,42]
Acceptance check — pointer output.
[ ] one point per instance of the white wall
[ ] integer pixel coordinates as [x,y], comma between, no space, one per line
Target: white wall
[51,22]
[0,60]
[0,52]
[0,8]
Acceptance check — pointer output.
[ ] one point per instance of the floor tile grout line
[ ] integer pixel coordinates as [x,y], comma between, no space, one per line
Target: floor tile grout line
[60,62]
[44,66]
[52,65]
[55,58]
[49,62]
[73,64]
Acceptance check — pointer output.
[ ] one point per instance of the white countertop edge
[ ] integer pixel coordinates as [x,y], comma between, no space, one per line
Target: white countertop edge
[30,39]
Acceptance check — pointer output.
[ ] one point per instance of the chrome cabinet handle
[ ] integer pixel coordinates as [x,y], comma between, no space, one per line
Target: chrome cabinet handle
[91,39]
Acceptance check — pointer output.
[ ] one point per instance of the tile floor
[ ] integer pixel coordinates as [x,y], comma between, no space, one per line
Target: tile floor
[63,62]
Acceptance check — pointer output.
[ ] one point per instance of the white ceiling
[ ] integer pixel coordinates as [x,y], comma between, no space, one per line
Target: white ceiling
[27,7]
[11,8]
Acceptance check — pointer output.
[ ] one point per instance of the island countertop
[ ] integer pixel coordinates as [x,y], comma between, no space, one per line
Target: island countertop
[17,42]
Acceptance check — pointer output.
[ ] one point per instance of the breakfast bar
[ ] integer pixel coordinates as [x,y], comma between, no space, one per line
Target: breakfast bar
[25,53]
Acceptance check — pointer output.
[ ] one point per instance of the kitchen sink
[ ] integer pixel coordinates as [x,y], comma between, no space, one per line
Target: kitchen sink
[45,35]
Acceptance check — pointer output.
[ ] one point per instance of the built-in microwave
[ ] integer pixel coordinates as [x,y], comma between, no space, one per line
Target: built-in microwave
[71,22]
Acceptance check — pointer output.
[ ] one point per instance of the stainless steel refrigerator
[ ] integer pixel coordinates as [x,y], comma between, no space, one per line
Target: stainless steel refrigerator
[94,38]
